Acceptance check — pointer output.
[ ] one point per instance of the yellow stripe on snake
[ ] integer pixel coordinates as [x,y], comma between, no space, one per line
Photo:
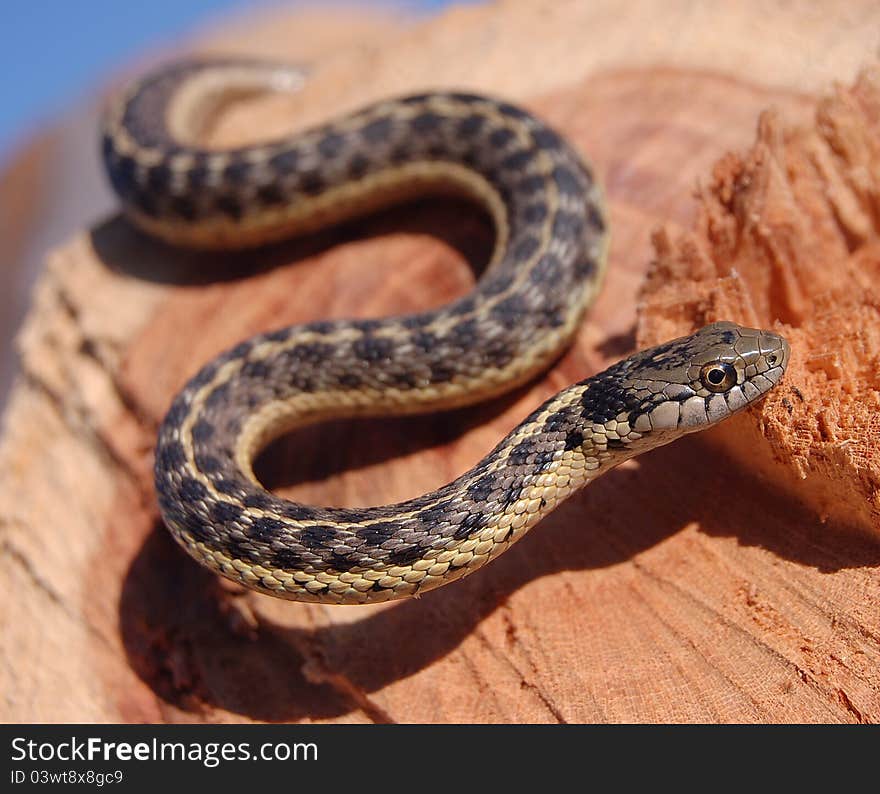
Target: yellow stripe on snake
[547,267]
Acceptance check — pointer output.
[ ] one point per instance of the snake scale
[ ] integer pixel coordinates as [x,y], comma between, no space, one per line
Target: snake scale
[551,232]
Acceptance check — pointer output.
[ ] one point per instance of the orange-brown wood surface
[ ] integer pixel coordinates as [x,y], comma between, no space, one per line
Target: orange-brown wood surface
[699,583]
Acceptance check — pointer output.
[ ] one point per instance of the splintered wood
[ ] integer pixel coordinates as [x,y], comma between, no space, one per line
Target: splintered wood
[733,576]
[790,234]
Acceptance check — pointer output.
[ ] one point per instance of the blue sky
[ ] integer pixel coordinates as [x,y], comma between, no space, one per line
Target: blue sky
[55,50]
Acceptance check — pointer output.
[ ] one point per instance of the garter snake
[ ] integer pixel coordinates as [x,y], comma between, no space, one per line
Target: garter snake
[550,254]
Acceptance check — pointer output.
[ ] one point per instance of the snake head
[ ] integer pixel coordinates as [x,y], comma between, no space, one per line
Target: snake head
[695,381]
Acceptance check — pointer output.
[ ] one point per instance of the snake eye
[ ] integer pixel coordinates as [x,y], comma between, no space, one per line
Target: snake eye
[718,377]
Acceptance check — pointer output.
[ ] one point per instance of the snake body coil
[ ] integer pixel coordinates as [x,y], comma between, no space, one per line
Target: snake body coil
[547,267]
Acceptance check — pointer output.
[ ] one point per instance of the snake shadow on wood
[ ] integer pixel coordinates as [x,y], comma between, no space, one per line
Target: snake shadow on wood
[462,225]
[178,628]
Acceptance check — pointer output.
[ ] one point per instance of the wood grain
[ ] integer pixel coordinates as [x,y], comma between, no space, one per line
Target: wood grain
[677,588]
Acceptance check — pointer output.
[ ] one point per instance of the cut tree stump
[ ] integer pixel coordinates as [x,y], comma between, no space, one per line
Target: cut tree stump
[699,583]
